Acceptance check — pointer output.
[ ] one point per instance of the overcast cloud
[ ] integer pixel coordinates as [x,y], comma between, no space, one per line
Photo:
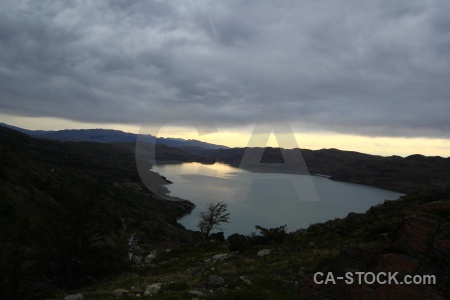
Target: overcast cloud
[366,67]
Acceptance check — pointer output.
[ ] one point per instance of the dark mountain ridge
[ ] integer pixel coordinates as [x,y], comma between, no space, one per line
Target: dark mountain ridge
[401,174]
[111,136]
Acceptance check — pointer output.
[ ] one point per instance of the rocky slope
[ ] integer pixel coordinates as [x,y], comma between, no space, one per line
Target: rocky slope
[420,246]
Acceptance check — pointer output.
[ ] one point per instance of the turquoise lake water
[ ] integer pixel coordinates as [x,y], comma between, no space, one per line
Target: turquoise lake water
[266,199]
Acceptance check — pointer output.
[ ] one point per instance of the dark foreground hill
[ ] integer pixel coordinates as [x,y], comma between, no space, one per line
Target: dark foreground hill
[67,210]
[406,237]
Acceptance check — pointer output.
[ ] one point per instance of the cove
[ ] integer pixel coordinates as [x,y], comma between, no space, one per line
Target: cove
[266,199]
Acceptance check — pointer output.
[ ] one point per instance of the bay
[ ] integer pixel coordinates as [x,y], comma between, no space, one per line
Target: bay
[266,199]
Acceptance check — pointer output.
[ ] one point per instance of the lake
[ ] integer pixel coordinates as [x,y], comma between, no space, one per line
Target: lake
[266,199]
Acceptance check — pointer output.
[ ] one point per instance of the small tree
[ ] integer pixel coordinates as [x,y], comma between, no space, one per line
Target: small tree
[273,235]
[212,217]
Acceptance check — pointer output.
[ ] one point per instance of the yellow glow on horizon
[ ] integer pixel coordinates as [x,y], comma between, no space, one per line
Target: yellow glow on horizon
[385,146]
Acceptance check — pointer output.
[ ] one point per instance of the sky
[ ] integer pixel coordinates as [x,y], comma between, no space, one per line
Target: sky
[369,76]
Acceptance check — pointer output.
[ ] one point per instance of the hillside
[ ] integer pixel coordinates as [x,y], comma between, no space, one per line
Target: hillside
[400,174]
[392,173]
[67,210]
[408,236]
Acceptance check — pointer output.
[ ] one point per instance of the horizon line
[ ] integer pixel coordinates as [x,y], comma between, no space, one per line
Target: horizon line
[229,147]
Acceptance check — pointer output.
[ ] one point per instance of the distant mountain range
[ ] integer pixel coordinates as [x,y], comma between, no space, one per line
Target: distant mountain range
[113,136]
[400,174]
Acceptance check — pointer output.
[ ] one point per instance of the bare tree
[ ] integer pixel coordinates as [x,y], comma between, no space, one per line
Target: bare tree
[212,217]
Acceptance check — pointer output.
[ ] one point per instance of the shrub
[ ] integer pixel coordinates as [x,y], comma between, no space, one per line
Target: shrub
[437,191]
[238,242]
[218,236]
[273,235]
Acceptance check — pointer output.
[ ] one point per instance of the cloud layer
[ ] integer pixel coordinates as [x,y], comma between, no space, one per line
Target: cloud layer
[364,67]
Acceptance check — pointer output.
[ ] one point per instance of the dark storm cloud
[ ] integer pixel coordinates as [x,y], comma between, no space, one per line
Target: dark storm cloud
[364,67]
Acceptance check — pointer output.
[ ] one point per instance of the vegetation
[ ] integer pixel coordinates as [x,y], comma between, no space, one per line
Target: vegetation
[267,236]
[213,216]
[364,242]
[68,211]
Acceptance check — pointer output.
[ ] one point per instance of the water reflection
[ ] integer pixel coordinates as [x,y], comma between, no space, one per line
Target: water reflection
[266,199]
